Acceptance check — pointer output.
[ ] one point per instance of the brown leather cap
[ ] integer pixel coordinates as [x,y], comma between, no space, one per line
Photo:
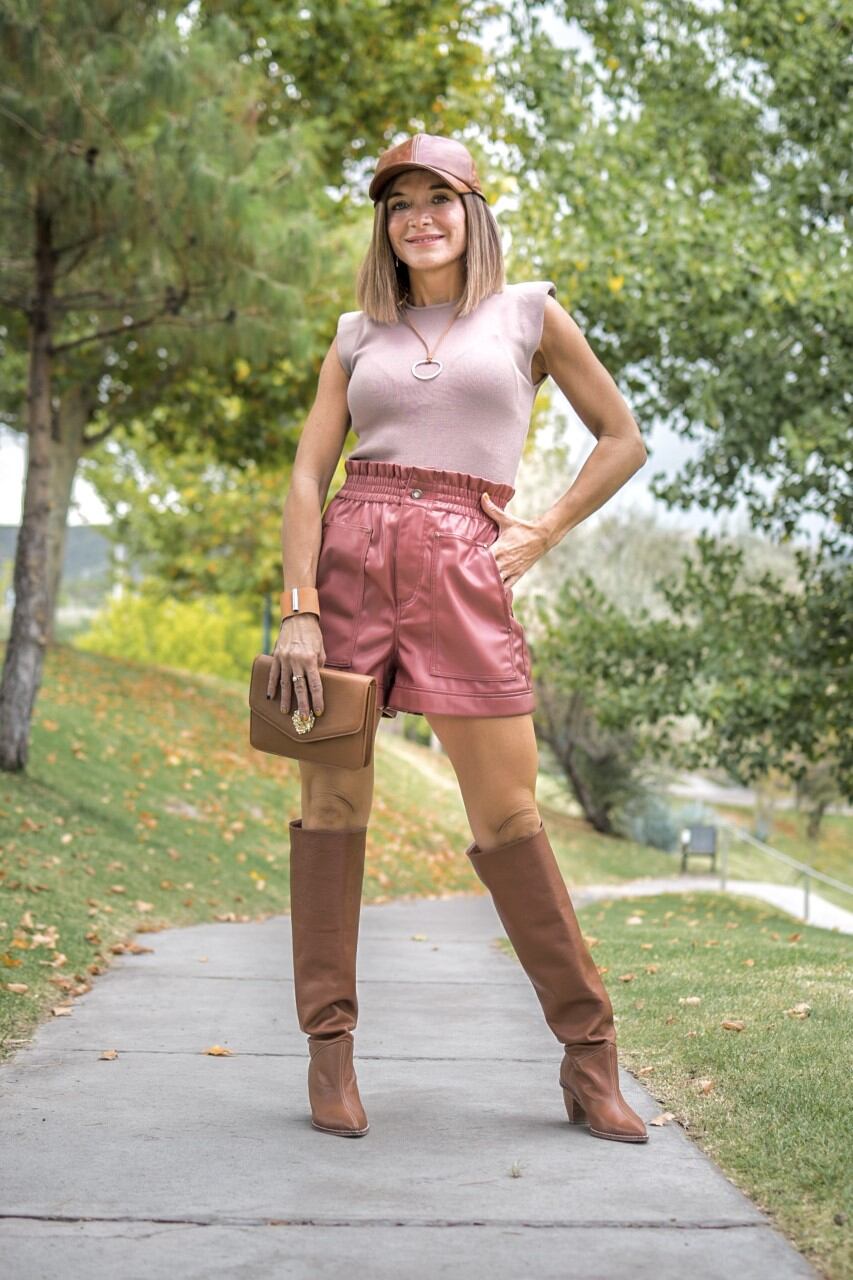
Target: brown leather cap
[450,159]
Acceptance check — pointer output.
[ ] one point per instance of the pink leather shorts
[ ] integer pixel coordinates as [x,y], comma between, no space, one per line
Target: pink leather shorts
[410,592]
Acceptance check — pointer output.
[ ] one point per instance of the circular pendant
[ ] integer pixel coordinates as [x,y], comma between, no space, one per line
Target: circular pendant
[426,377]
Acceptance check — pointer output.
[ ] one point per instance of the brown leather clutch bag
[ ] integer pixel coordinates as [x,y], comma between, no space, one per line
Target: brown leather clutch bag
[343,735]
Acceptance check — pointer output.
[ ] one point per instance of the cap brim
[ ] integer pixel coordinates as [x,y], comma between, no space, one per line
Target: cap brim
[381,180]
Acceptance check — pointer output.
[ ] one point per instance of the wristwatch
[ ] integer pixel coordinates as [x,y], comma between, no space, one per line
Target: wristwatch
[299,600]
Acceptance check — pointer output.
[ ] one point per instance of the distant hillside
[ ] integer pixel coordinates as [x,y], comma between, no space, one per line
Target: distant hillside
[87,551]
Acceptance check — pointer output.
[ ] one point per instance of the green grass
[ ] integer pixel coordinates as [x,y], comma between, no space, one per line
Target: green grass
[831,852]
[777,1116]
[143,806]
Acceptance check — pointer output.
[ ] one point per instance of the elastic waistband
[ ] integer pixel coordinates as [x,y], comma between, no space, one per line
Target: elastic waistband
[390,481]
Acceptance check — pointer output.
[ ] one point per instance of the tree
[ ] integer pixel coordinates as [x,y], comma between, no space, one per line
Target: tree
[139,197]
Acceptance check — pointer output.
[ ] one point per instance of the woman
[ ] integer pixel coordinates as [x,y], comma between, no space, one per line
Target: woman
[408,576]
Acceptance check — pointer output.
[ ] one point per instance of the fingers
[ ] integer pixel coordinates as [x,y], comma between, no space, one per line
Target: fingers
[275,671]
[309,691]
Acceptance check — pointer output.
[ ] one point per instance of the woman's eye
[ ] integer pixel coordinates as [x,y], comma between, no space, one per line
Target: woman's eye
[400,203]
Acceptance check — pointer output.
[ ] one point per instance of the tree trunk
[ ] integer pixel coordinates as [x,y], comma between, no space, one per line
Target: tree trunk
[24,658]
[69,424]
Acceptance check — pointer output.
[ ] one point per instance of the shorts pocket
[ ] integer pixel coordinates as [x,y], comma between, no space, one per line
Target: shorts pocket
[471,619]
[340,586]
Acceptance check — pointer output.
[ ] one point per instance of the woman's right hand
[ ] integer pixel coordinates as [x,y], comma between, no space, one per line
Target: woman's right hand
[299,652]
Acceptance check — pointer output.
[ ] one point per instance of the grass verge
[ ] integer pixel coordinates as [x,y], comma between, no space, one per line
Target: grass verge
[770,1102]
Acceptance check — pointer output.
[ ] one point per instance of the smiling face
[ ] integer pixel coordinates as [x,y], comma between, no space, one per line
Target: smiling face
[426,221]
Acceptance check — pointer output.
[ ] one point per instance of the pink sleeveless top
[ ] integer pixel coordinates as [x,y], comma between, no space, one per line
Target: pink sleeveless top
[474,417]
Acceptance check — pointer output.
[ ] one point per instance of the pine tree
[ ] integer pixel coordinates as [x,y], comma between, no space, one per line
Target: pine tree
[139,198]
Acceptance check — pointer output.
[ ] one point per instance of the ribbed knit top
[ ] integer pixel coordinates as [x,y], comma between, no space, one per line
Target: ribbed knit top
[475,415]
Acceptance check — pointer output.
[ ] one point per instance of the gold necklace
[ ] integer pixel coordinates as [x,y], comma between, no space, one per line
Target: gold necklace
[427,377]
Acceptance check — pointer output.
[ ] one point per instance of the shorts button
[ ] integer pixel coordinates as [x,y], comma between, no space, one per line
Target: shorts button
[417,493]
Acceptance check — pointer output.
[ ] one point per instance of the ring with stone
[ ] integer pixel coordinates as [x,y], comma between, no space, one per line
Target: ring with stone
[295,678]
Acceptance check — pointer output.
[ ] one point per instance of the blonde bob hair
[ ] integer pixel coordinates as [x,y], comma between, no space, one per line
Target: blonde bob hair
[382,286]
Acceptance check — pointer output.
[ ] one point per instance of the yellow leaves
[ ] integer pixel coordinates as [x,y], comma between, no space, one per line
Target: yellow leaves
[615,283]
[242,369]
[627,977]
[17,988]
[419,937]
[109,1055]
[218,1051]
[10,961]
[232,407]
[117,888]
[705,1086]
[652,968]
[801,1010]
[51,726]
[129,948]
[732,1024]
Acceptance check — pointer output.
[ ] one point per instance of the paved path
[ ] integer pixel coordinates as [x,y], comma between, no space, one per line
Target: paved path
[822,913]
[167,1160]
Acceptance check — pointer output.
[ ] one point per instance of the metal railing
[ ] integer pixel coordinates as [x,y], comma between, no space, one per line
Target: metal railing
[807,872]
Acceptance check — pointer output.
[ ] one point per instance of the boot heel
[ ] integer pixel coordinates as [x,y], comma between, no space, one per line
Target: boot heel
[574,1110]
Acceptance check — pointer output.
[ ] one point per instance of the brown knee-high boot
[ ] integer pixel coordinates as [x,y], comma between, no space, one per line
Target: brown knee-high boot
[326,877]
[534,906]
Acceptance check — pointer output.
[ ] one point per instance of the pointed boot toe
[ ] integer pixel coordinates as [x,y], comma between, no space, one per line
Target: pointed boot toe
[590,1084]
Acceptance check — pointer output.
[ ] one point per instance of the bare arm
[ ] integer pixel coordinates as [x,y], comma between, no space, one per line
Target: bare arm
[299,649]
[583,379]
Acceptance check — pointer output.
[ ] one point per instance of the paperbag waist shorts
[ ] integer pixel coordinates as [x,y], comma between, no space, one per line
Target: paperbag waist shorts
[410,592]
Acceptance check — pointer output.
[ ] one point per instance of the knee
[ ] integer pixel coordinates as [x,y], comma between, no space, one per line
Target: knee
[522,820]
[330,809]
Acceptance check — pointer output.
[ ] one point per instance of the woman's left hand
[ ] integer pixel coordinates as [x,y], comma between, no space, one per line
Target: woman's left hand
[519,544]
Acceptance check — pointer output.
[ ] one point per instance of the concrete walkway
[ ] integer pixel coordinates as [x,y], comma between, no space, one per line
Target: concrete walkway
[169,1161]
[787,897]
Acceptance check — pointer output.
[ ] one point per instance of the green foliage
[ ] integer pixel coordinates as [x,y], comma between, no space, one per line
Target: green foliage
[690,204]
[744,673]
[212,635]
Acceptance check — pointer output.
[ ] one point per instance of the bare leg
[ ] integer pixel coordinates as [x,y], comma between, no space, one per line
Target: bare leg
[335,798]
[496,761]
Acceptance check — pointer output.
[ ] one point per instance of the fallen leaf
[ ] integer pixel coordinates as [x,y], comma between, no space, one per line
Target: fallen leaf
[652,968]
[794,937]
[802,1010]
[749,963]
[634,920]
[109,1054]
[689,999]
[218,1051]
[419,937]
[705,1086]
[627,977]
[663,1118]
[17,988]
[60,1010]
[732,1024]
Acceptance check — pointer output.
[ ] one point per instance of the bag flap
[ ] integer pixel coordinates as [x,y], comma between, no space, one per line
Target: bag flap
[344,713]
